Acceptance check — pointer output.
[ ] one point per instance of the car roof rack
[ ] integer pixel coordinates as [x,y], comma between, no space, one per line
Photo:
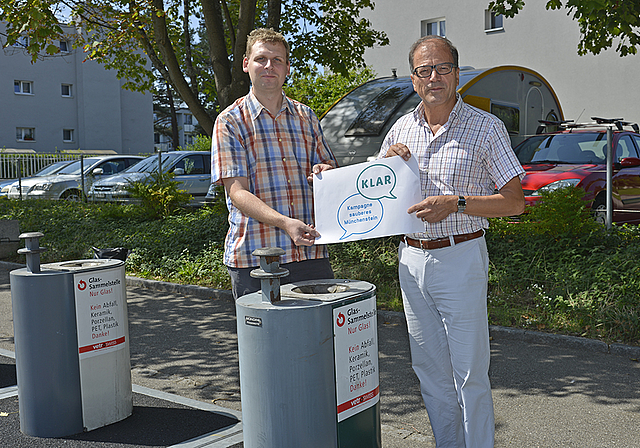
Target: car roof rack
[597,122]
[619,122]
[546,124]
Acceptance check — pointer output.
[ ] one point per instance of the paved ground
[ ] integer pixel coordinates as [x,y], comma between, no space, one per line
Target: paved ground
[549,391]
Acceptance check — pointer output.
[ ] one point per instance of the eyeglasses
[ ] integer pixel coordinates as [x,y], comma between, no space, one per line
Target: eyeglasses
[424,71]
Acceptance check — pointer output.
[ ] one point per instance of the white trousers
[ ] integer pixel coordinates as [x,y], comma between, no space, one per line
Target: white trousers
[444,292]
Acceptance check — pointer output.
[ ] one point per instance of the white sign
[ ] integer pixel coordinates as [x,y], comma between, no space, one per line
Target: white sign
[367,200]
[100,311]
[356,357]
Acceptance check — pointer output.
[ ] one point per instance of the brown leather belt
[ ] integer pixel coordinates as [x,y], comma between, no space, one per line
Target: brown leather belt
[442,242]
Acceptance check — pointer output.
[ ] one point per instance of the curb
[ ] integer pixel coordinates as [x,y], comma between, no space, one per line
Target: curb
[198,291]
[397,317]
[538,337]
[10,265]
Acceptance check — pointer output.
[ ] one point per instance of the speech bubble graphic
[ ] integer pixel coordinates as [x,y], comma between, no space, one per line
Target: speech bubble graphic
[376,182]
[358,215]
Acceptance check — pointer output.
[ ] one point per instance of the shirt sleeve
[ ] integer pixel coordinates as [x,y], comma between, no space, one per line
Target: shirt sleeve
[228,152]
[323,153]
[389,140]
[502,161]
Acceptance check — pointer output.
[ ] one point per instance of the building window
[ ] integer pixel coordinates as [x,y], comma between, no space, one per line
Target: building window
[67,90]
[64,46]
[433,27]
[23,87]
[188,126]
[67,135]
[493,21]
[25,134]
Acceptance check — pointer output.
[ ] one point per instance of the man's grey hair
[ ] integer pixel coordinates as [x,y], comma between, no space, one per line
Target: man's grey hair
[431,37]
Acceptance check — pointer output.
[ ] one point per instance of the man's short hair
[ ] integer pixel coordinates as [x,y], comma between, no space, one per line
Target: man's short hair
[422,40]
[265,35]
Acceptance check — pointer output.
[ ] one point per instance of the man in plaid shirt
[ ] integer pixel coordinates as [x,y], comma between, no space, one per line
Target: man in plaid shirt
[463,154]
[264,151]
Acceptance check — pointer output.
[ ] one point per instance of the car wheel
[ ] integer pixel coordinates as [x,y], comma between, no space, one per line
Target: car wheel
[599,210]
[71,195]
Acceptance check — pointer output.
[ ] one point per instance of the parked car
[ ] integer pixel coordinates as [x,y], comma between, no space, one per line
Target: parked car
[5,185]
[214,193]
[52,168]
[191,168]
[67,183]
[576,155]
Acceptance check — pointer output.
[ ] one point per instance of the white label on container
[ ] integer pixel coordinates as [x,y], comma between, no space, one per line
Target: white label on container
[356,357]
[100,311]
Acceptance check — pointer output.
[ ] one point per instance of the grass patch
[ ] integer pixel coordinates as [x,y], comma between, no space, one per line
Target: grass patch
[184,248]
[374,261]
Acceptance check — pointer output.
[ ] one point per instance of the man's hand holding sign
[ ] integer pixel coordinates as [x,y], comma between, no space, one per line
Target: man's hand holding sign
[367,200]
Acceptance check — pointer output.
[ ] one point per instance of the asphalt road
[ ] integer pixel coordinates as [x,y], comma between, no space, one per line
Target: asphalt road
[549,391]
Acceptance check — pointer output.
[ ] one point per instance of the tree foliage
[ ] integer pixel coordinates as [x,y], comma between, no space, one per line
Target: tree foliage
[601,22]
[320,90]
[202,60]
[159,194]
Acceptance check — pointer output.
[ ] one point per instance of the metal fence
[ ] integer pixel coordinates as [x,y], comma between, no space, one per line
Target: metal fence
[13,166]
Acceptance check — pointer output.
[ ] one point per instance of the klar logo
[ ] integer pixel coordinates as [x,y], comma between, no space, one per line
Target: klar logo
[340,320]
[82,285]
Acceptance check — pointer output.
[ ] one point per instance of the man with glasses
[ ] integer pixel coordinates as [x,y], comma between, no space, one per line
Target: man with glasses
[264,148]
[463,154]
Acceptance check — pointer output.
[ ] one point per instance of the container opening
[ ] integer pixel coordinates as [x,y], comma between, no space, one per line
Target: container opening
[81,264]
[321,288]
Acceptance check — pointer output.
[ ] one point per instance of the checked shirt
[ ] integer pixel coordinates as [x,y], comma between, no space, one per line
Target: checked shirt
[276,154]
[470,155]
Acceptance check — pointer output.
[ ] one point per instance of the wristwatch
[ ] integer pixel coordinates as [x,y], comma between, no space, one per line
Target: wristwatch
[462,204]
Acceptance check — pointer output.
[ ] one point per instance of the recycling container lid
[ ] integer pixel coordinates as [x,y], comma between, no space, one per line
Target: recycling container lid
[328,290]
[77,266]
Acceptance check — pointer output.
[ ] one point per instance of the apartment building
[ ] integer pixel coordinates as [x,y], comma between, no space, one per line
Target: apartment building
[65,103]
[542,40]
[187,130]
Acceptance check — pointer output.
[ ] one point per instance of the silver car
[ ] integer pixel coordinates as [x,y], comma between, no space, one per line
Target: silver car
[67,183]
[191,168]
[52,168]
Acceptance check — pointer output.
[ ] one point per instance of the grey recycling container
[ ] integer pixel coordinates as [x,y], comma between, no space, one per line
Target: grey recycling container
[309,366]
[72,346]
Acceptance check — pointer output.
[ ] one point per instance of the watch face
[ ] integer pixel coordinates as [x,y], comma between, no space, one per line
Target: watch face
[462,204]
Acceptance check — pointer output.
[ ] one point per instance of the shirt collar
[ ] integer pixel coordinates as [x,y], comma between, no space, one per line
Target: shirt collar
[454,116]
[456,113]
[255,107]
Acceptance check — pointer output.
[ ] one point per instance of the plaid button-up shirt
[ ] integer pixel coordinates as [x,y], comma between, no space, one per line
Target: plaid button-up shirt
[470,155]
[276,154]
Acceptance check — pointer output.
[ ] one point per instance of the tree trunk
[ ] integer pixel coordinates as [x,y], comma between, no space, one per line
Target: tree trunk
[174,71]
[175,135]
[273,14]
[246,23]
[224,80]
[190,70]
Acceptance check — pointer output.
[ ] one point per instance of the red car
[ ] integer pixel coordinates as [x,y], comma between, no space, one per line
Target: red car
[576,155]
